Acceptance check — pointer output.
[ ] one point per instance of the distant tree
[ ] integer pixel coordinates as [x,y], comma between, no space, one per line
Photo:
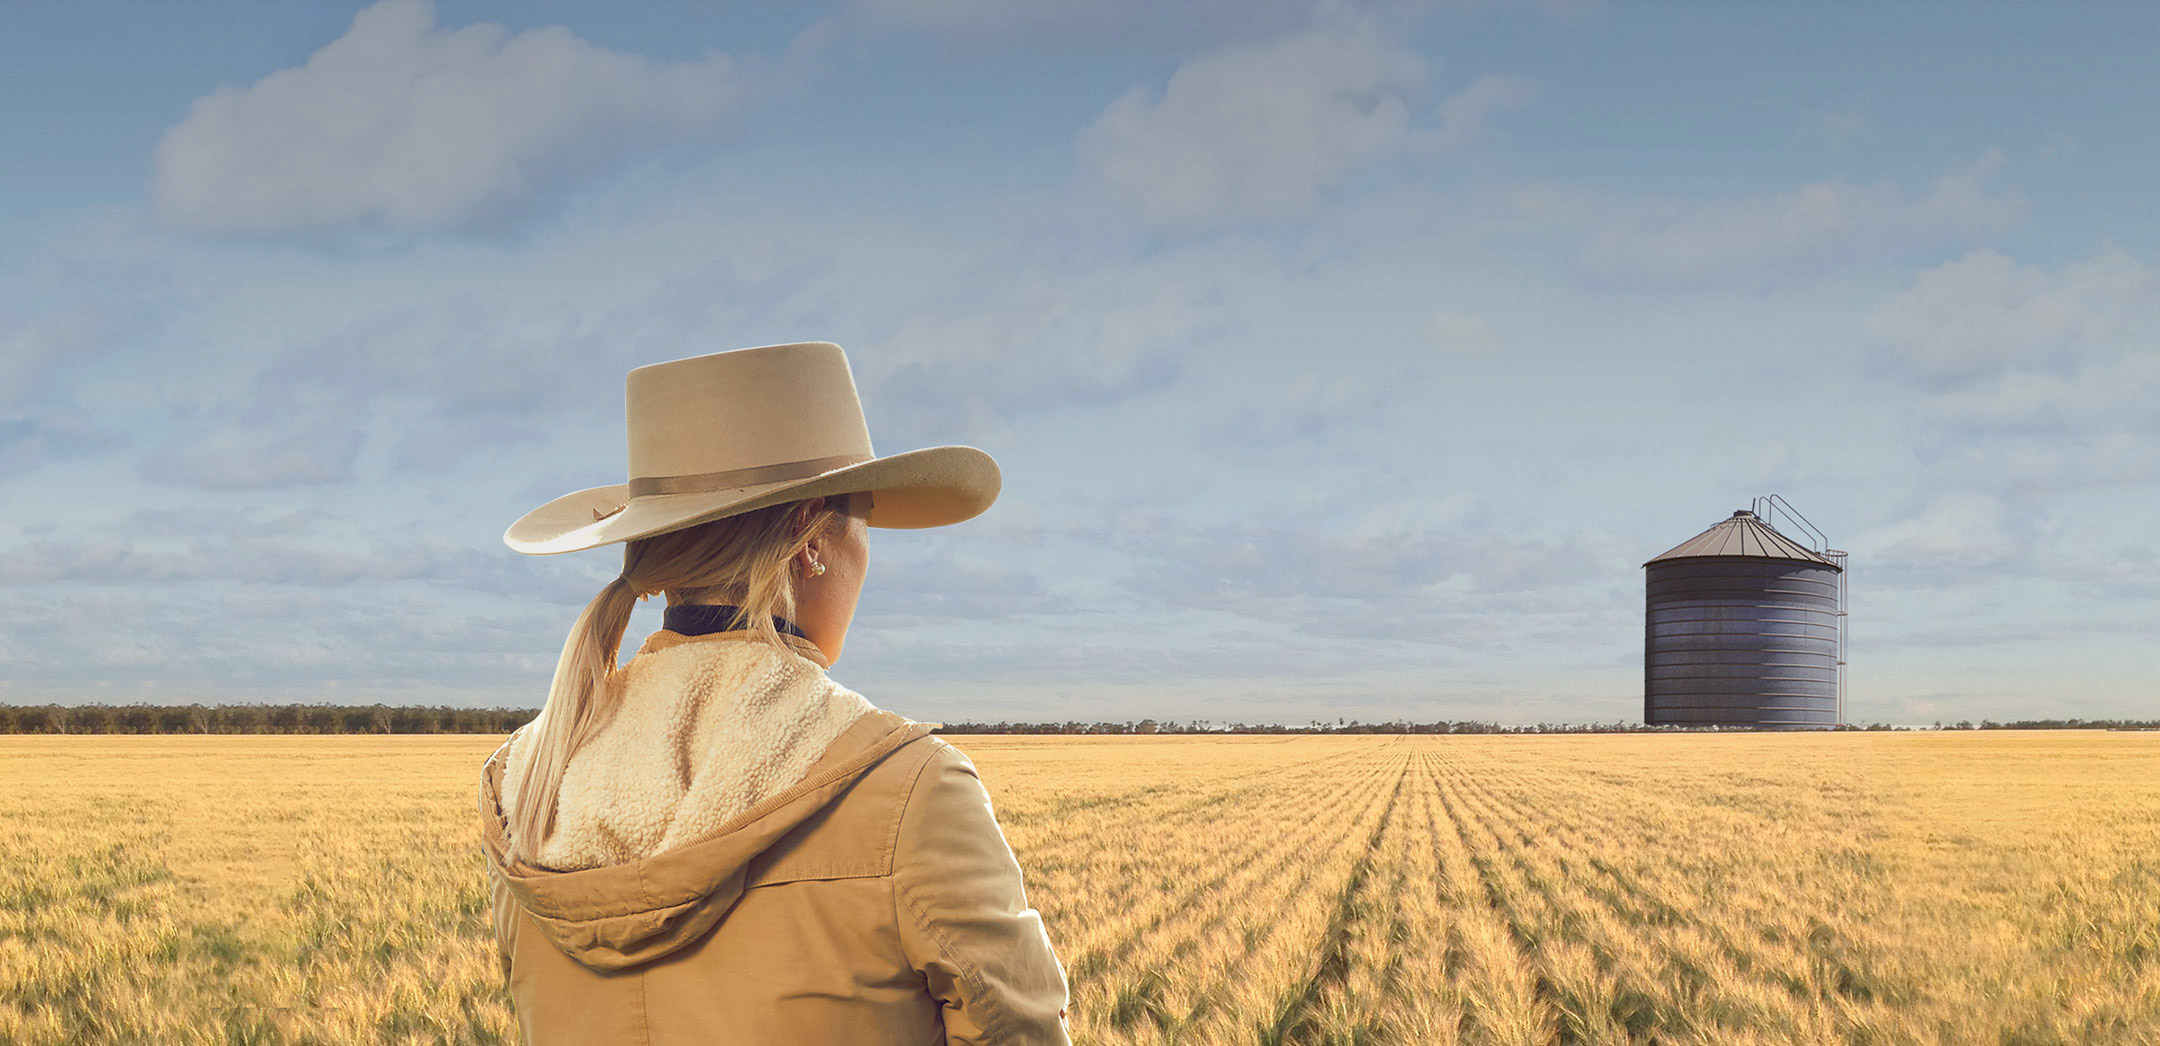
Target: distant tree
[135,719]
[320,718]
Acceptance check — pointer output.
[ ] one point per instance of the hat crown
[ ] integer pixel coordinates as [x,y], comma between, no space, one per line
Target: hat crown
[731,432]
[745,409]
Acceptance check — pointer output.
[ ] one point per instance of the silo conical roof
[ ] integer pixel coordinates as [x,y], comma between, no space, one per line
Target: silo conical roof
[1744,534]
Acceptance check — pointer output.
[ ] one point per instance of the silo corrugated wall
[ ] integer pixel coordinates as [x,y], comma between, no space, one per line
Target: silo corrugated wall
[1741,640]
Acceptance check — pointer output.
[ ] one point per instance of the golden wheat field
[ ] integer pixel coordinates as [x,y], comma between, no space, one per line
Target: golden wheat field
[1946,888]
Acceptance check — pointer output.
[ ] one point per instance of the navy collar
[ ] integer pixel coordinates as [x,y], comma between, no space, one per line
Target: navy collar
[697,619]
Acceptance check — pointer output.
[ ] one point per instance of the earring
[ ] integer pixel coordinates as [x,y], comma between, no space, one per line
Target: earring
[816,568]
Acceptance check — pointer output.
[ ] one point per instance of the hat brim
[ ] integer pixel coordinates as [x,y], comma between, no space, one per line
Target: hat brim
[932,487]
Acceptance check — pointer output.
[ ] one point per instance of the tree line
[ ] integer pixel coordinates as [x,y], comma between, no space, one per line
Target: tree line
[1464,726]
[259,719]
[1205,726]
[443,719]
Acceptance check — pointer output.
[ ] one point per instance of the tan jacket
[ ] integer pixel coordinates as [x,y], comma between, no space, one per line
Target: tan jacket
[866,898]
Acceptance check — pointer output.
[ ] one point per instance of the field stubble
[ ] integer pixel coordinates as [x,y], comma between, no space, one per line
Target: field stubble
[1932,888]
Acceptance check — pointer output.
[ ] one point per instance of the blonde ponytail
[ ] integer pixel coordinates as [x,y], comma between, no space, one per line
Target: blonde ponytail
[741,559]
[572,709]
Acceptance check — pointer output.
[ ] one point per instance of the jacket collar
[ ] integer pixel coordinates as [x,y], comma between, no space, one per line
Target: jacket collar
[666,638]
[696,619]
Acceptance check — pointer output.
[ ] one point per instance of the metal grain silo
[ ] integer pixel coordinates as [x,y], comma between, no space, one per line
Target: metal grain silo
[1745,627]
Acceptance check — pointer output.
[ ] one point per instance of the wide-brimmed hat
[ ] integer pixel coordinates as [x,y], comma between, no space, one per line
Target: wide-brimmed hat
[713,436]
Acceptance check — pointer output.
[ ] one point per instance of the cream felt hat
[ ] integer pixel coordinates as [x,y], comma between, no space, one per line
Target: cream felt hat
[713,436]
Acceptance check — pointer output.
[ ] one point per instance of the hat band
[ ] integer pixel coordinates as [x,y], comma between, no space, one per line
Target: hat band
[701,482]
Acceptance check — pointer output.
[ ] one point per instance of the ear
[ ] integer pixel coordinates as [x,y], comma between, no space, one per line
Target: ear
[800,518]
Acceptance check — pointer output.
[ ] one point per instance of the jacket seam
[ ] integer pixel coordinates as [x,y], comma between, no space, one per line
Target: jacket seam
[857,870]
[497,899]
[644,1010]
[491,773]
[993,1012]
[892,837]
[862,868]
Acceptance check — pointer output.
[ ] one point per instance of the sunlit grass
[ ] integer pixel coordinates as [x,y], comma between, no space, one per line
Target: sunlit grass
[1999,888]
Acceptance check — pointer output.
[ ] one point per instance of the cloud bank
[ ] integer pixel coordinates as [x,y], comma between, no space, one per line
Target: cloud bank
[1818,224]
[1256,132]
[402,127]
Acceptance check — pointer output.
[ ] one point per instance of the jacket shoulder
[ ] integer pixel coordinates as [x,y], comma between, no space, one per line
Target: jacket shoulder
[856,834]
[964,916]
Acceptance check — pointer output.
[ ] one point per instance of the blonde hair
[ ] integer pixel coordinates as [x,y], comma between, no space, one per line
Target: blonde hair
[742,559]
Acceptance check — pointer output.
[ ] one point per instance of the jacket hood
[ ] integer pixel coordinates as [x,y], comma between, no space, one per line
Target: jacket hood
[716,749]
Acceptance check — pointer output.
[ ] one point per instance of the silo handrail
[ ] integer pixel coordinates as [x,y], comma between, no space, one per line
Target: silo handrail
[1777,503]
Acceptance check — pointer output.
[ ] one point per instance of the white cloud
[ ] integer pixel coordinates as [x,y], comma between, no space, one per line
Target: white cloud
[968,19]
[41,352]
[1548,201]
[980,23]
[1122,26]
[1257,132]
[953,587]
[47,435]
[2122,391]
[255,457]
[190,547]
[431,387]
[74,319]
[1309,406]
[2038,466]
[1985,311]
[1957,530]
[1816,225]
[1388,558]
[1461,332]
[1776,464]
[2032,381]
[976,338]
[1465,118]
[403,127]
[1407,520]
[1060,343]
[1138,335]
[1841,128]
[108,643]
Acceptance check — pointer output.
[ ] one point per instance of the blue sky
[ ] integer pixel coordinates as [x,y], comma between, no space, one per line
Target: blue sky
[1343,360]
